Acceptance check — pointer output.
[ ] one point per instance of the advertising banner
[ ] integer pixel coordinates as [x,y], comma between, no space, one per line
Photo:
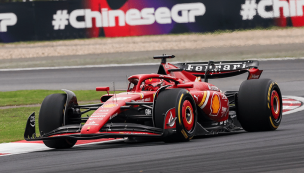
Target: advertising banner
[53,20]
[17,22]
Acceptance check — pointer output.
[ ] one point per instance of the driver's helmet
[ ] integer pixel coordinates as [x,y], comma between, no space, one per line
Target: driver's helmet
[152,84]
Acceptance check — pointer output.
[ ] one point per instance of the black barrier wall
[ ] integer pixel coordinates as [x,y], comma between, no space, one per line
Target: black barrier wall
[53,20]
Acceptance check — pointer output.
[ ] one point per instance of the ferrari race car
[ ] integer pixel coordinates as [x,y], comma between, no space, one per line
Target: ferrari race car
[176,104]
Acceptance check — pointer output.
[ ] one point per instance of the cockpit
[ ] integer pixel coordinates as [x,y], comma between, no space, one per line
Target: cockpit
[148,83]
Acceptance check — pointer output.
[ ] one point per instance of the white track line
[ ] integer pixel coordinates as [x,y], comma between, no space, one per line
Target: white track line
[290,107]
[76,67]
[128,65]
[300,108]
[20,148]
[292,102]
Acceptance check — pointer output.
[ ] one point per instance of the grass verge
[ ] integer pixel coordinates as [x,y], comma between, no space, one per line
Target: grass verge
[13,123]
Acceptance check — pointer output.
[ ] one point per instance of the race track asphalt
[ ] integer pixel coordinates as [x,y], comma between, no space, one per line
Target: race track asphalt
[276,151]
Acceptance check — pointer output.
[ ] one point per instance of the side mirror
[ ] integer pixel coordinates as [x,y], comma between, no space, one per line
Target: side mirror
[107,89]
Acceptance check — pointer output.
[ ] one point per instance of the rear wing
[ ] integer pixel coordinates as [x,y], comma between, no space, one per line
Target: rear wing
[222,69]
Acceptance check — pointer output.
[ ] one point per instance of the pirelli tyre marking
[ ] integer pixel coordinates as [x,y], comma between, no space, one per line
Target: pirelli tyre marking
[179,104]
[274,126]
[184,133]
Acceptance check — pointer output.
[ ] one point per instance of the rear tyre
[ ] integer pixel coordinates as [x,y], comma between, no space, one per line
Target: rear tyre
[259,105]
[185,111]
[51,117]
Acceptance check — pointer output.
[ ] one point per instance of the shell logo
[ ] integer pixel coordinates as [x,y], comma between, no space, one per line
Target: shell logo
[215,104]
[109,105]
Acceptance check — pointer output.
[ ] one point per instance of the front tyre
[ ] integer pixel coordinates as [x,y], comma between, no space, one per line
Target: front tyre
[51,117]
[259,105]
[185,111]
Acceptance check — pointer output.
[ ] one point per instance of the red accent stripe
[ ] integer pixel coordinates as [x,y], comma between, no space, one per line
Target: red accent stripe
[289,100]
[95,140]
[24,141]
[130,132]
[2,154]
[292,104]
[78,142]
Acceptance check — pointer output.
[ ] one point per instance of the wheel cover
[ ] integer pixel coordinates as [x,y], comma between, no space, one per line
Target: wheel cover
[188,115]
[275,104]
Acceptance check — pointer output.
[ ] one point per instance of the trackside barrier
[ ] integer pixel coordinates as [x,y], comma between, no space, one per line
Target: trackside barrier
[53,20]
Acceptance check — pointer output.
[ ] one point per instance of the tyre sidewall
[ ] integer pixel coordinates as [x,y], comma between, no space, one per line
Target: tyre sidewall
[51,117]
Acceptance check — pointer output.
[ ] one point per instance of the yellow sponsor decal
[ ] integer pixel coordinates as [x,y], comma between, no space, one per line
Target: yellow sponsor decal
[204,98]
[89,128]
[141,95]
[109,105]
[215,104]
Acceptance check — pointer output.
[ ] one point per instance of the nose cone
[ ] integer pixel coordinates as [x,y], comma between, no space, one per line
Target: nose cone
[100,117]
[106,112]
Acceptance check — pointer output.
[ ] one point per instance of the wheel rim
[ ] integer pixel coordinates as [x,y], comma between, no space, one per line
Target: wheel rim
[275,104]
[188,115]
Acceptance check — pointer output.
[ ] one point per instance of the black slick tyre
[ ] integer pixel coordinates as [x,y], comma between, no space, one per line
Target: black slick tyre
[185,111]
[51,117]
[259,105]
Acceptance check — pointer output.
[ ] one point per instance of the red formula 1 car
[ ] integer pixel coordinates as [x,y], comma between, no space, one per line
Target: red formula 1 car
[176,104]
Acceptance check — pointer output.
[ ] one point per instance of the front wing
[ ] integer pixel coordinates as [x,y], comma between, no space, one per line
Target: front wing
[73,132]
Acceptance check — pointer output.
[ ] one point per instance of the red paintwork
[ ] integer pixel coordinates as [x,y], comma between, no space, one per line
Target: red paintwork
[254,73]
[188,85]
[102,89]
